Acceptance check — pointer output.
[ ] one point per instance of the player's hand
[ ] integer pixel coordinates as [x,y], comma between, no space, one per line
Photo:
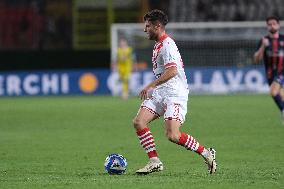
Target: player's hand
[144,94]
[265,42]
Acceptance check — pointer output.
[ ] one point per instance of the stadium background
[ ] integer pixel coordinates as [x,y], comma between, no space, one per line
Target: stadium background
[46,37]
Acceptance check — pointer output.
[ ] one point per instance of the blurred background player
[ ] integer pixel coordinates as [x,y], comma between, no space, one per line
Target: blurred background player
[169,97]
[124,65]
[271,50]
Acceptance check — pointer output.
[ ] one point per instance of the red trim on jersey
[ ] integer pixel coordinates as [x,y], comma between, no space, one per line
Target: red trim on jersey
[158,47]
[163,38]
[274,50]
[168,65]
[156,52]
[269,67]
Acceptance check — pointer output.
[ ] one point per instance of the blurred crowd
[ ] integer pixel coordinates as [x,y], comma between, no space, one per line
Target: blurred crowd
[35,24]
[224,10]
[47,24]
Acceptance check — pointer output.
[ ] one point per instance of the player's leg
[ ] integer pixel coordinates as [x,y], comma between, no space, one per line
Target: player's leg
[174,117]
[280,81]
[125,89]
[125,84]
[282,93]
[146,114]
[276,95]
[189,142]
[277,92]
[124,81]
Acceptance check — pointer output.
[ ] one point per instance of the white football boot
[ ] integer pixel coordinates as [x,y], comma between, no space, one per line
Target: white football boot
[152,166]
[211,161]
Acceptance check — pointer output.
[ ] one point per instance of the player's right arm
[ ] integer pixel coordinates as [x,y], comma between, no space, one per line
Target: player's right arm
[166,75]
[258,55]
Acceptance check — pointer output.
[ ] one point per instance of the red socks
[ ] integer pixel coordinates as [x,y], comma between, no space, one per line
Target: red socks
[147,142]
[190,143]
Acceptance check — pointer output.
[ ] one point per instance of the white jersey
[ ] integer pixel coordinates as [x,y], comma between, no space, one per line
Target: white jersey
[165,55]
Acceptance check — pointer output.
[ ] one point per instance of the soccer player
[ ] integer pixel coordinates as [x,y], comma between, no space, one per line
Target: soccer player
[271,50]
[124,65]
[166,96]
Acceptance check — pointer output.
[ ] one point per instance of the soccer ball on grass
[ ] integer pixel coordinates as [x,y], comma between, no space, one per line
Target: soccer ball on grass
[115,164]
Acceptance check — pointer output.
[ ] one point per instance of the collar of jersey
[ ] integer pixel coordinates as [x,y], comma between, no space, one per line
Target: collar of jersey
[163,38]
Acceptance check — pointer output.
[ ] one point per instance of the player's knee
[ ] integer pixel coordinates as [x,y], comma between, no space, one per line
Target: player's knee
[274,89]
[274,92]
[137,123]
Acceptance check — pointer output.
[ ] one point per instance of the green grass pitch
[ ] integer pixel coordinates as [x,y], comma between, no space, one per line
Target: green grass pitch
[62,142]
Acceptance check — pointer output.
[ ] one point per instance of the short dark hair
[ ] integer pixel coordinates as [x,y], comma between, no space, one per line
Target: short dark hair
[272,18]
[156,15]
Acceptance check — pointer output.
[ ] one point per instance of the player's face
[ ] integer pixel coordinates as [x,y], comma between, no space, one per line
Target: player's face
[123,43]
[151,30]
[273,26]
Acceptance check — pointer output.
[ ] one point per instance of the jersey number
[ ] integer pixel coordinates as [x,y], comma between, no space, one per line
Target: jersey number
[176,112]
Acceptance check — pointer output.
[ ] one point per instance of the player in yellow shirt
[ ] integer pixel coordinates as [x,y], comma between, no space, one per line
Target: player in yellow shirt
[124,65]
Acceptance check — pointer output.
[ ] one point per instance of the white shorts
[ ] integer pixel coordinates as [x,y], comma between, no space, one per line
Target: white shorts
[172,108]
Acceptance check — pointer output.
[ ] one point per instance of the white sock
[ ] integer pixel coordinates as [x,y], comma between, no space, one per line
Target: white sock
[155,159]
[205,153]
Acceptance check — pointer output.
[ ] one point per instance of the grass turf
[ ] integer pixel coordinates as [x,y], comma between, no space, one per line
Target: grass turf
[62,142]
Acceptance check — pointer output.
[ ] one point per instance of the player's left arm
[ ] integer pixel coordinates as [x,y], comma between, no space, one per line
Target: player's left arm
[167,75]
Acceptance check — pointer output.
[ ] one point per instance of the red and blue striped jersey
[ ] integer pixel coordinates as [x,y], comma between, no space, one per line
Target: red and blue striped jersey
[273,57]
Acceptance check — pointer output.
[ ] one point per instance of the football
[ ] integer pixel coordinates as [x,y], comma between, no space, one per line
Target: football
[115,164]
